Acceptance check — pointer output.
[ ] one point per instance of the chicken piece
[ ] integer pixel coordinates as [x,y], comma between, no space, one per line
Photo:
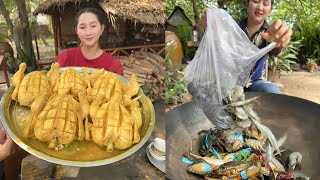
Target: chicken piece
[61,120]
[53,74]
[86,78]
[91,79]
[106,123]
[95,75]
[33,85]
[125,133]
[106,118]
[16,80]
[98,128]
[29,87]
[37,106]
[70,82]
[136,118]
[104,88]
[113,122]
[131,90]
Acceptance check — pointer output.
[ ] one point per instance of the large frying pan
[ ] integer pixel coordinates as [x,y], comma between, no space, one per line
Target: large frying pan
[299,118]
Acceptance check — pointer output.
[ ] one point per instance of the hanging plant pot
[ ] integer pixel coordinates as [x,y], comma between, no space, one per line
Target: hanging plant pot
[312,67]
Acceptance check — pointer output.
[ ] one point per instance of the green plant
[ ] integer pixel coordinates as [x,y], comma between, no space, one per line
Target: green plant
[184,36]
[286,59]
[309,34]
[311,61]
[173,87]
[24,55]
[12,62]
[4,38]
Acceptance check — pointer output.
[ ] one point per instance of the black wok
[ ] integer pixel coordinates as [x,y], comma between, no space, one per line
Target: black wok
[298,118]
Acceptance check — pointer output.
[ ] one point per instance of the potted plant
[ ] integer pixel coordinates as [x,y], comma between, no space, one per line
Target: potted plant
[25,56]
[12,63]
[312,65]
[276,64]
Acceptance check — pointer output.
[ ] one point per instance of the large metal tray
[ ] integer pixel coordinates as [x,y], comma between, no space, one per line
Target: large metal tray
[81,154]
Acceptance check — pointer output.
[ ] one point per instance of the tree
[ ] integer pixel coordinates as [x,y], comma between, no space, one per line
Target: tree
[20,31]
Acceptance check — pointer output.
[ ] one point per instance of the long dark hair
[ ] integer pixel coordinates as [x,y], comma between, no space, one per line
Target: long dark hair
[92,10]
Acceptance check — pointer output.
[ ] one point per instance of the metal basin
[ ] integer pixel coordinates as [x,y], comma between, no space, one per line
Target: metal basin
[78,153]
[296,117]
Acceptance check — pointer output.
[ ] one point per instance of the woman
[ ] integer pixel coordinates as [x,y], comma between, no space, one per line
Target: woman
[260,33]
[89,27]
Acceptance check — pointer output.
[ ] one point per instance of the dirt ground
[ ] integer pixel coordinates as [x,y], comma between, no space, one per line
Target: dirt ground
[301,84]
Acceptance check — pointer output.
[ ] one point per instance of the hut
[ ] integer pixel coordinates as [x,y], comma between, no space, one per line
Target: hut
[177,18]
[129,23]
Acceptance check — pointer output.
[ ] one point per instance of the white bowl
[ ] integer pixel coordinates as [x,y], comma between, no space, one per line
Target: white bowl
[161,165]
[154,154]
[160,144]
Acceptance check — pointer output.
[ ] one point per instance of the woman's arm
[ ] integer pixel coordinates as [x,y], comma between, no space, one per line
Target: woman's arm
[6,145]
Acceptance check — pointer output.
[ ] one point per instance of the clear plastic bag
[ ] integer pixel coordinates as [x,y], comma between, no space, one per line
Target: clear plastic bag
[223,60]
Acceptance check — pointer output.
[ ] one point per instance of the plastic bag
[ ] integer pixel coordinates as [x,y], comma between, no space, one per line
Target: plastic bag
[223,60]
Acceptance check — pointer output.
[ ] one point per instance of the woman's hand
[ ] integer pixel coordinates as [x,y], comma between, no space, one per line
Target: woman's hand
[7,146]
[279,33]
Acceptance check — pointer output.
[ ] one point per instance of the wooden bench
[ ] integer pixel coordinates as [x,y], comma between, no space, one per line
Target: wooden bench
[43,62]
[3,65]
[120,51]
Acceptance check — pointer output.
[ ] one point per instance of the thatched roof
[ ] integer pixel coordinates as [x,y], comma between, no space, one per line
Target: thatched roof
[138,11]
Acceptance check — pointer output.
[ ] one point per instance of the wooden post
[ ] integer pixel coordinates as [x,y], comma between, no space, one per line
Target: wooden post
[55,32]
[36,41]
[59,30]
